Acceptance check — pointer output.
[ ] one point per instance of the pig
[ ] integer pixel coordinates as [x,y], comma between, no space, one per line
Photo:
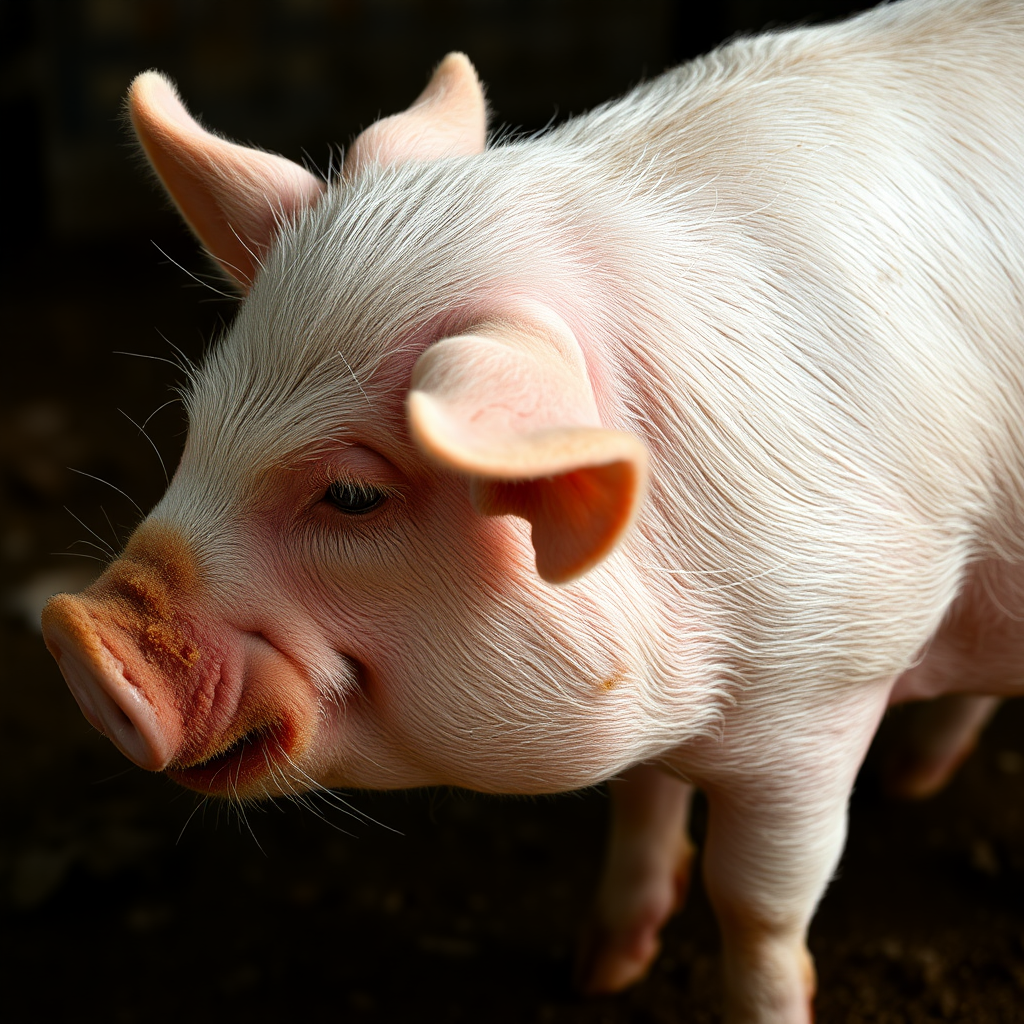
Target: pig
[669,447]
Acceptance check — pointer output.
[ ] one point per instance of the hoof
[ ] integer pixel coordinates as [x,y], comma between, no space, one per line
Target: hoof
[622,941]
[611,963]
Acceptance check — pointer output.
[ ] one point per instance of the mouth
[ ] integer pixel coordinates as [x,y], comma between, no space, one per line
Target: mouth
[241,769]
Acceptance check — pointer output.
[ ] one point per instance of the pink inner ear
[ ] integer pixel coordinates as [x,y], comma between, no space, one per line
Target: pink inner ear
[512,407]
[576,518]
[449,118]
[233,197]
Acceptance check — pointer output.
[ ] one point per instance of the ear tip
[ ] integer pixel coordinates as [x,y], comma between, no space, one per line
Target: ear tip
[558,573]
[560,563]
[153,98]
[456,72]
[458,63]
[146,83]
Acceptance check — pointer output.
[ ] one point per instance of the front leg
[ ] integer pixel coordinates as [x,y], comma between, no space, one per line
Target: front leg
[776,829]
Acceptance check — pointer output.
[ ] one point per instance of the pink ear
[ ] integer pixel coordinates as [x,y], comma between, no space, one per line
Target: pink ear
[233,197]
[511,405]
[449,118]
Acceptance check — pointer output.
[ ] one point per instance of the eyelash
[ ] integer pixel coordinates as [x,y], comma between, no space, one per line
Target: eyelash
[354,499]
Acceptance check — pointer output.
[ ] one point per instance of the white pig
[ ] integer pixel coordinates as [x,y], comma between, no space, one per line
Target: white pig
[669,447]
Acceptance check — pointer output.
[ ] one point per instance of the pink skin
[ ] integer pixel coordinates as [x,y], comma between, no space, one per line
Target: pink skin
[239,675]
[175,685]
[243,652]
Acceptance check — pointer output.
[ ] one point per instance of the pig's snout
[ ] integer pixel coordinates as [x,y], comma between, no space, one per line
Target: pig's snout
[172,686]
[127,651]
[111,703]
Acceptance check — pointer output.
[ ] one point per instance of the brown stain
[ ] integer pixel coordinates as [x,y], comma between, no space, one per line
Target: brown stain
[145,591]
[170,643]
[161,547]
[612,681]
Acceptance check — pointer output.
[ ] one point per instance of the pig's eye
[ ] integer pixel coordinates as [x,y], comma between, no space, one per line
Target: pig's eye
[354,499]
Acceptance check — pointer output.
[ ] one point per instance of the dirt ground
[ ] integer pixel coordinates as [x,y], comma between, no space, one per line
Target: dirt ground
[122,899]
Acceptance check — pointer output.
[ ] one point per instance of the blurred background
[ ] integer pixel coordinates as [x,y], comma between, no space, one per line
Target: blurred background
[117,903]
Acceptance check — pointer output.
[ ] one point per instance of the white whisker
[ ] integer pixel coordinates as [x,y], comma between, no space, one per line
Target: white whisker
[200,803]
[79,554]
[113,487]
[105,546]
[142,431]
[199,281]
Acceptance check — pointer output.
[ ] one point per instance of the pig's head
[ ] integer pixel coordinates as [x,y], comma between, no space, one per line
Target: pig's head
[394,466]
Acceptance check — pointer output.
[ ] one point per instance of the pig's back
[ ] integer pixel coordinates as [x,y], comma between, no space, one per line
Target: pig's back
[831,375]
[843,229]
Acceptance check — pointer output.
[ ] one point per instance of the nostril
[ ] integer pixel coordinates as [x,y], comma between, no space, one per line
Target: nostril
[116,708]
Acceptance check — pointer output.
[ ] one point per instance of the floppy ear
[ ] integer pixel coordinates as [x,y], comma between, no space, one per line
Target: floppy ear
[511,405]
[233,197]
[449,118]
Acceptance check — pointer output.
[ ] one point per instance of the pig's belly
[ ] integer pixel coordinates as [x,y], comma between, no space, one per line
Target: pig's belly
[980,646]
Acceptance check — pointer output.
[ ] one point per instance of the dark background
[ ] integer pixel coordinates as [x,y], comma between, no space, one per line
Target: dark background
[118,905]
